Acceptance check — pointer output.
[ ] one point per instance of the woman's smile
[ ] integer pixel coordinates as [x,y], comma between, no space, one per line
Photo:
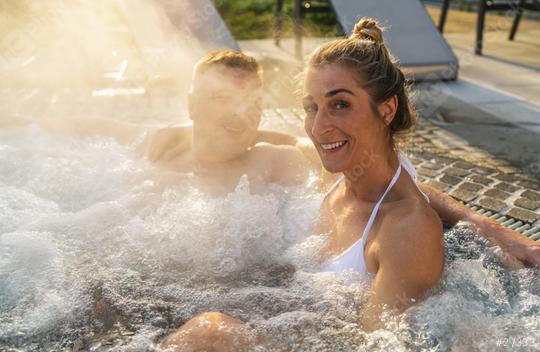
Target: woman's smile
[333,147]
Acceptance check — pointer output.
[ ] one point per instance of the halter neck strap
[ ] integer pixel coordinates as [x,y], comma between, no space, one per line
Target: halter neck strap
[376,208]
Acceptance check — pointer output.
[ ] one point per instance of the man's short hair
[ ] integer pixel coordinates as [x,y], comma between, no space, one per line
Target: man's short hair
[228,58]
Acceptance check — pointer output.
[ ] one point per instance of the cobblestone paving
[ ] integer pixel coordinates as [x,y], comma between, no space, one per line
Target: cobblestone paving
[488,185]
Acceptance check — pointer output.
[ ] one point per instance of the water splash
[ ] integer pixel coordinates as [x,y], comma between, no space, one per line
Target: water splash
[96,254]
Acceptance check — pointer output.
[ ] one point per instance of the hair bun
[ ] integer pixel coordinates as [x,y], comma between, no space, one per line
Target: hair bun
[368,28]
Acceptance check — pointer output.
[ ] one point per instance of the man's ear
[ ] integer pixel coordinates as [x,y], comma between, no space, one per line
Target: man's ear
[387,109]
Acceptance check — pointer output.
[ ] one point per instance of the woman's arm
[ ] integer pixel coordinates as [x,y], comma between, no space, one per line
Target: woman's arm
[511,242]
[410,262]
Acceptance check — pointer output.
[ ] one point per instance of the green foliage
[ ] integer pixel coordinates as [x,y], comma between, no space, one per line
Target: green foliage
[464,5]
[254,19]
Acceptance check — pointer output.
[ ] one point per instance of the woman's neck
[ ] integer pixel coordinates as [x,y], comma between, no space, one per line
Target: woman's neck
[367,182]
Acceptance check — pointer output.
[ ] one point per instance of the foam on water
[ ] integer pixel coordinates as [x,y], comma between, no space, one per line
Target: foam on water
[95,253]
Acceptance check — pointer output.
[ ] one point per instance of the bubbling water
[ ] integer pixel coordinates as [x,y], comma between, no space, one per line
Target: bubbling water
[96,254]
[99,250]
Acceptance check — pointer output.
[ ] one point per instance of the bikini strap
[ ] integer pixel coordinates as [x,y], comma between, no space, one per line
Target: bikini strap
[360,241]
[334,186]
[376,208]
[409,167]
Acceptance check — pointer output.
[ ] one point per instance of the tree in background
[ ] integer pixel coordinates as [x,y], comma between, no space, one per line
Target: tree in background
[254,19]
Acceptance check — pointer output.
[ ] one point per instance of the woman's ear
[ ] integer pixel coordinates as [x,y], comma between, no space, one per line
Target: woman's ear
[387,109]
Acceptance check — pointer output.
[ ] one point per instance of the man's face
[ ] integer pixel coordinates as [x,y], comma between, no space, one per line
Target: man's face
[225,106]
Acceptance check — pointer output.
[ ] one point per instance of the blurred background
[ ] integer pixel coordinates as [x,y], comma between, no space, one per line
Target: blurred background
[101,53]
[131,60]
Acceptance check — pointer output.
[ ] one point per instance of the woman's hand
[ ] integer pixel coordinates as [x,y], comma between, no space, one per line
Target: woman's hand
[168,143]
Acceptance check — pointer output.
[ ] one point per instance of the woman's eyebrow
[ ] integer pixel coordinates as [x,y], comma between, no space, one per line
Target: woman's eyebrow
[336,91]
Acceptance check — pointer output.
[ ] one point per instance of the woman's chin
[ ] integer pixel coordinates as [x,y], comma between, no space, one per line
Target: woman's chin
[332,167]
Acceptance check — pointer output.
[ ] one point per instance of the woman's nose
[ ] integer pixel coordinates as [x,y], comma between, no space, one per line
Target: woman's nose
[321,124]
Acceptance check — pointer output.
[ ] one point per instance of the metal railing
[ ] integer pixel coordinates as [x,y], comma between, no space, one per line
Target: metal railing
[484,6]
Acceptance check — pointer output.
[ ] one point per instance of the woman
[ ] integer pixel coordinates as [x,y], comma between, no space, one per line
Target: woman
[377,220]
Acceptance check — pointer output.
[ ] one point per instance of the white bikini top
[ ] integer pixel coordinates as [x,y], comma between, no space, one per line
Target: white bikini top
[353,257]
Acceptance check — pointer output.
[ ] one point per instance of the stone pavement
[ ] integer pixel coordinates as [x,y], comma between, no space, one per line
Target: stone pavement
[445,161]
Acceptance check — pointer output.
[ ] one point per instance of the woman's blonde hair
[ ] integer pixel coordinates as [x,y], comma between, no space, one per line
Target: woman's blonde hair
[365,53]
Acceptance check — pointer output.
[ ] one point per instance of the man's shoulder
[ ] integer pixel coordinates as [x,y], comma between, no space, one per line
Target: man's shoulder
[275,152]
[285,164]
[267,147]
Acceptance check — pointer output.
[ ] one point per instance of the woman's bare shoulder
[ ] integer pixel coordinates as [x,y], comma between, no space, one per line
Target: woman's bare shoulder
[411,226]
[410,243]
[411,212]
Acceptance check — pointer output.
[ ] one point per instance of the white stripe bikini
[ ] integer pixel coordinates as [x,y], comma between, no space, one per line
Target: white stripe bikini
[353,257]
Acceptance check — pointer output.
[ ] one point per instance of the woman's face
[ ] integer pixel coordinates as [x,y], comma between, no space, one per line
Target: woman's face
[340,121]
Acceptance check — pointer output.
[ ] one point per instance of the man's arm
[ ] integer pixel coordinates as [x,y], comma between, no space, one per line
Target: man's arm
[123,132]
[511,242]
[170,142]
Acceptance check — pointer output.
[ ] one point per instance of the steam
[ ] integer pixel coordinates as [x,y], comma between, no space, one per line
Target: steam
[109,59]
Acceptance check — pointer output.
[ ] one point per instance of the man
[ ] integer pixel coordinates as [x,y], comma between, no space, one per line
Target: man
[225,106]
